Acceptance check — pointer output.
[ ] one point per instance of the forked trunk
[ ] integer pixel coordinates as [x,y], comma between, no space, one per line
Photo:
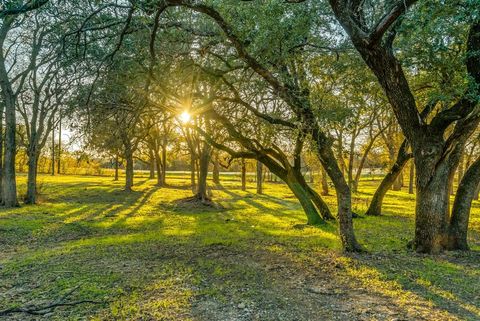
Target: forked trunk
[403,156]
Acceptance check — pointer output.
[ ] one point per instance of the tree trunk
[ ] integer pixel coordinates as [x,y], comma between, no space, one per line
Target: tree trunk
[398,182]
[458,229]
[324,182]
[31,197]
[53,152]
[216,170]
[59,155]
[151,174]
[9,180]
[192,172]
[116,168]
[203,173]
[2,138]
[164,165]
[411,177]
[158,167]
[128,169]
[403,156]
[259,178]
[344,201]
[244,175]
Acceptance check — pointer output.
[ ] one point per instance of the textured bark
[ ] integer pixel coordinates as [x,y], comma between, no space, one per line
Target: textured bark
[375,207]
[9,192]
[31,197]
[203,173]
[216,170]
[259,178]
[344,201]
[324,182]
[458,229]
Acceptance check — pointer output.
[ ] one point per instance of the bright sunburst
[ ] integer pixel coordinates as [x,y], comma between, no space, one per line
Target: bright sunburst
[185,117]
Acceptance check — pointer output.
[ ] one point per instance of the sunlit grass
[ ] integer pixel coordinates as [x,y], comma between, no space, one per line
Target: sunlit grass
[141,252]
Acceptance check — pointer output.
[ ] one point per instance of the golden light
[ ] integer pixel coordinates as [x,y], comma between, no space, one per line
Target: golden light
[185,117]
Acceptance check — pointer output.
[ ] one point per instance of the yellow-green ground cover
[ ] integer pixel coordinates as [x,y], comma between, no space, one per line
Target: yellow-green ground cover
[144,256]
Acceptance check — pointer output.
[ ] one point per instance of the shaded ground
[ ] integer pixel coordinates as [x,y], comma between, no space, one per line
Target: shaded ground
[140,256]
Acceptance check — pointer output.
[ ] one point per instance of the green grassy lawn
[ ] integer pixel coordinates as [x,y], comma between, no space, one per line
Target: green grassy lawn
[144,256]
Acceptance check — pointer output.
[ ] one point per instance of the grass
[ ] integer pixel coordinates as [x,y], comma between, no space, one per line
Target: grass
[143,256]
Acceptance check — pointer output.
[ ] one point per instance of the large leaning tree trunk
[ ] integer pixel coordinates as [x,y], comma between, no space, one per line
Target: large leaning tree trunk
[277,163]
[375,207]
[435,146]
[297,96]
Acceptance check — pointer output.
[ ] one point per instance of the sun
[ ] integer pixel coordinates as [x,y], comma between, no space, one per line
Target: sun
[185,117]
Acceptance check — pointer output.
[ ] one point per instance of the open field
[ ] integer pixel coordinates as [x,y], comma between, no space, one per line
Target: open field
[142,256]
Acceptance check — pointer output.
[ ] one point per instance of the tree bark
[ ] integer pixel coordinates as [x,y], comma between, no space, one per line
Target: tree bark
[53,152]
[324,182]
[403,156]
[31,197]
[59,155]
[458,229]
[216,170]
[192,172]
[344,201]
[151,164]
[203,173]
[259,178]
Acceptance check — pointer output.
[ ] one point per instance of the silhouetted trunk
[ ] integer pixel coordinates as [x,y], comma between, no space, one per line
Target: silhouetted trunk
[411,177]
[216,170]
[244,175]
[8,180]
[324,181]
[59,155]
[192,173]
[259,178]
[31,197]
[128,168]
[203,173]
[151,165]
[403,156]
[158,167]
[53,152]
[163,178]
